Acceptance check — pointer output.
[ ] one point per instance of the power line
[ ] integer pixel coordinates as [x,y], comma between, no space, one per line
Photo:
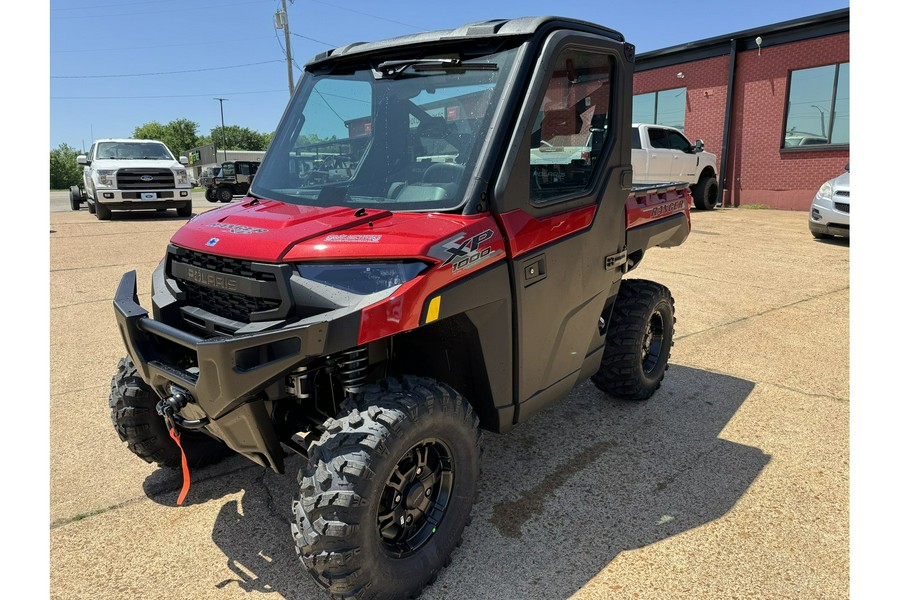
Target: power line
[162,73]
[204,95]
[315,40]
[115,5]
[184,8]
[359,12]
[155,46]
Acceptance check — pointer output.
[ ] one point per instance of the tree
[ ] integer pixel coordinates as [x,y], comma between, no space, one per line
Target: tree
[239,138]
[179,135]
[182,136]
[64,170]
[313,138]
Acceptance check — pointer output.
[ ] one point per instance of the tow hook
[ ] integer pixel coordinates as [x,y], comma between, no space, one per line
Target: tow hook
[168,409]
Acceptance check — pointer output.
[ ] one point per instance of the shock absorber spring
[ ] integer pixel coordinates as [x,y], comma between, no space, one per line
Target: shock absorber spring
[351,367]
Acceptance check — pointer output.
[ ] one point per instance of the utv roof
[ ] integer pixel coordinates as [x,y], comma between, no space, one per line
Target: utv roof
[521,27]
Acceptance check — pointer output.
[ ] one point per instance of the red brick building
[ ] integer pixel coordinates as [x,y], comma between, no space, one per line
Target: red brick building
[772,103]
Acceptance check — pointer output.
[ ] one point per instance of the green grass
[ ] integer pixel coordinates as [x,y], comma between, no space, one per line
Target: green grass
[756,206]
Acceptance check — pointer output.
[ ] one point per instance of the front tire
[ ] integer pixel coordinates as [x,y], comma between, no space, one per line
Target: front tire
[185,211]
[641,330]
[225,195]
[705,193]
[103,213]
[388,489]
[132,405]
[75,197]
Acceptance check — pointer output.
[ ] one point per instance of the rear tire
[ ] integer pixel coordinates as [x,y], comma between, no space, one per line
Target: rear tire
[414,439]
[133,411]
[103,213]
[75,197]
[641,330]
[185,211]
[210,195]
[705,193]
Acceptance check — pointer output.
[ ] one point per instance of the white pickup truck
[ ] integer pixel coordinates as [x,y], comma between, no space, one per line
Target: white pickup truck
[660,153]
[127,174]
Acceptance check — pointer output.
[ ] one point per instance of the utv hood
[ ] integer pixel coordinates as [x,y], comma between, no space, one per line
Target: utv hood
[273,232]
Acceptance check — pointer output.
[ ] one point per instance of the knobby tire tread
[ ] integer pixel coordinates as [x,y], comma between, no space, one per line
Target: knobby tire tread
[337,483]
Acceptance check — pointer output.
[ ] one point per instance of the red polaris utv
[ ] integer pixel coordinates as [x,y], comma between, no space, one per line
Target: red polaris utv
[464,271]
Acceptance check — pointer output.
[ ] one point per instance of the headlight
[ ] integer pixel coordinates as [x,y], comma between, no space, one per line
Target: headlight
[181,177]
[362,278]
[105,177]
[824,191]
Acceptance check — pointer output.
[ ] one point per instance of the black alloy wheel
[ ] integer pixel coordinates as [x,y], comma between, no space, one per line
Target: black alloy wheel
[653,342]
[415,497]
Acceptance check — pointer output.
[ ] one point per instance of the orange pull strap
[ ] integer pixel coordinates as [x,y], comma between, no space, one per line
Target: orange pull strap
[186,485]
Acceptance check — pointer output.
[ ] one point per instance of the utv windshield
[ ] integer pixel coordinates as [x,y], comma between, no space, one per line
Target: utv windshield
[399,135]
[133,150]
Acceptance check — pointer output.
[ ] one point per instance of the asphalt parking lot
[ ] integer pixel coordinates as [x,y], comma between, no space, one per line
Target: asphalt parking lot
[731,482]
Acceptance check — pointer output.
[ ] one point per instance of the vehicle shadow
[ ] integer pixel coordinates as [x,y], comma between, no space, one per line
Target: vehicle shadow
[835,241]
[559,497]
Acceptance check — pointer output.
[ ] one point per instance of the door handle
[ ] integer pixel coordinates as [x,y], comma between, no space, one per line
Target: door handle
[535,270]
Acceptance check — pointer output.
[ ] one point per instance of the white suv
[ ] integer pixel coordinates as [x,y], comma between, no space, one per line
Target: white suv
[829,214]
[126,174]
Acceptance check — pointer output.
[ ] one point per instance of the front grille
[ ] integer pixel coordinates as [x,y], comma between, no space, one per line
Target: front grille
[842,206]
[236,307]
[134,179]
[220,302]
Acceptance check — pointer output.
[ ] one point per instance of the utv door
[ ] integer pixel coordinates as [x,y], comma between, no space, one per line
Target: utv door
[563,221]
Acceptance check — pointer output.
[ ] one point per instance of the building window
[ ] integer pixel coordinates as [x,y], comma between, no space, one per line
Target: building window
[660,108]
[818,108]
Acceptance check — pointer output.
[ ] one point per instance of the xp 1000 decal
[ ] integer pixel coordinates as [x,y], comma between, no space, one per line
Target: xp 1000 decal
[468,252]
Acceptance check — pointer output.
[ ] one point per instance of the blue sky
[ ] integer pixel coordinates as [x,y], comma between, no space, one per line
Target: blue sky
[117,64]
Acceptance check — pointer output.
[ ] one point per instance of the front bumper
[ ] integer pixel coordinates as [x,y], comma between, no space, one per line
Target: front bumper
[826,218]
[226,376]
[135,199]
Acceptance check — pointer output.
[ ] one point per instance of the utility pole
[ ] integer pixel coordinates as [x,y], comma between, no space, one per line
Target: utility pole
[281,22]
[222,114]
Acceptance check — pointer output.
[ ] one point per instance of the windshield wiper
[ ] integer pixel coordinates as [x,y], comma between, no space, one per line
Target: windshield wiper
[395,68]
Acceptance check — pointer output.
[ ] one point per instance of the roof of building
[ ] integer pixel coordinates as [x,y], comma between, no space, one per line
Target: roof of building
[786,32]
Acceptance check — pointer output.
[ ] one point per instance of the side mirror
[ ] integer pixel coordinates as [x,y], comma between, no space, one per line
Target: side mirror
[183,160]
[698,146]
[81,159]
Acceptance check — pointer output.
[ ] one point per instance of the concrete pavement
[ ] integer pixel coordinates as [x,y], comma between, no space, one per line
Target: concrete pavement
[731,482]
